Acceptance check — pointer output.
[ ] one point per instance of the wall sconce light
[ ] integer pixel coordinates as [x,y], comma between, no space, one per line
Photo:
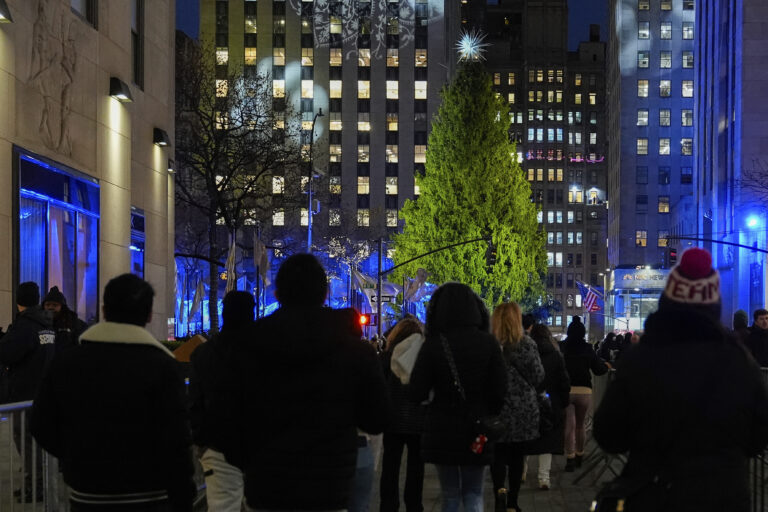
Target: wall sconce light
[171,168]
[5,13]
[160,138]
[118,89]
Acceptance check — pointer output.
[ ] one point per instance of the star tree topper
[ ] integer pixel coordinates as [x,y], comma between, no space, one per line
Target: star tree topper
[471,46]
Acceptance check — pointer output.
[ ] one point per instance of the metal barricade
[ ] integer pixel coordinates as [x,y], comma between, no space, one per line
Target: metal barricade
[758,476]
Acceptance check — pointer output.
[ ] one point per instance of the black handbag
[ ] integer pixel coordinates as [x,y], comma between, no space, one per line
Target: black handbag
[490,425]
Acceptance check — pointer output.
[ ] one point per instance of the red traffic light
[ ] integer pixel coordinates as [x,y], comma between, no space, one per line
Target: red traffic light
[365,319]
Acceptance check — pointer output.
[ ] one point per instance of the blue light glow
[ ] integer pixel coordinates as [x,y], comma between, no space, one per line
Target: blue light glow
[752,221]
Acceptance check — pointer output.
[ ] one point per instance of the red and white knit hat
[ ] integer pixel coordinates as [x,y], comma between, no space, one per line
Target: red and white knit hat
[693,283]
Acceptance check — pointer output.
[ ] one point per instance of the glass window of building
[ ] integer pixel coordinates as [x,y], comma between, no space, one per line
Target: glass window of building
[688,59]
[539,174]
[392,118]
[334,184]
[539,75]
[687,117]
[688,5]
[666,5]
[420,58]
[364,121]
[278,217]
[363,89]
[250,56]
[335,22]
[307,56]
[304,217]
[390,187]
[307,89]
[335,57]
[364,57]
[642,88]
[641,203]
[393,57]
[334,217]
[416,189]
[334,88]
[497,79]
[278,88]
[251,25]
[335,121]
[306,25]
[642,146]
[663,204]
[687,30]
[577,98]
[665,60]
[641,175]
[643,29]
[642,117]
[641,238]
[420,89]
[278,184]
[687,88]
[662,238]
[593,98]
[393,25]
[643,57]
[511,98]
[363,218]
[391,153]
[278,56]
[686,148]
[666,30]
[222,56]
[363,153]
[392,89]
[665,88]
[663,146]
[643,5]
[278,24]
[577,80]
[686,175]
[665,116]
[510,79]
[137,41]
[664,176]
[222,87]
[391,218]
[363,185]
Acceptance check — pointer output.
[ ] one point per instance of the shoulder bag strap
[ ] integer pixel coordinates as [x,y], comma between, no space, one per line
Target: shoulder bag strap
[452,366]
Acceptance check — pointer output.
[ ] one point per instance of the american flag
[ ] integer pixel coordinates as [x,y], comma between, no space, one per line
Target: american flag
[590,297]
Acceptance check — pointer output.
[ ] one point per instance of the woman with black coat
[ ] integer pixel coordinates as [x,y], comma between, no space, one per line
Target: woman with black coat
[457,319]
[557,384]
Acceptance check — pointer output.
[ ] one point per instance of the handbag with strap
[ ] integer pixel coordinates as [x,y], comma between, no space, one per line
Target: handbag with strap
[490,425]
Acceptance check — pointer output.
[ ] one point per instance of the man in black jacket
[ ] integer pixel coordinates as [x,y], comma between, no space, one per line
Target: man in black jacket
[67,325]
[757,340]
[113,411]
[308,383]
[26,351]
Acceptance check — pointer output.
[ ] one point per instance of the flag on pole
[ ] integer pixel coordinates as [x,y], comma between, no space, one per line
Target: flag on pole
[261,259]
[415,285]
[197,300]
[231,271]
[590,297]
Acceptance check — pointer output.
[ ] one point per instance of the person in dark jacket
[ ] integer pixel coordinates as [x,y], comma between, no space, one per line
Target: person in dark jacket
[212,384]
[741,326]
[113,411]
[457,317]
[580,359]
[307,384]
[757,341]
[610,347]
[67,325]
[693,430]
[557,384]
[405,428]
[26,351]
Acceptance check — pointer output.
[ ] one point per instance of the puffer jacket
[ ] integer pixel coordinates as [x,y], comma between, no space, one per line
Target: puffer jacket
[525,374]
[27,350]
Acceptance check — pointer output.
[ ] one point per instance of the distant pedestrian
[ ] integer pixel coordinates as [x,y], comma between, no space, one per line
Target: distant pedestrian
[741,326]
[609,347]
[458,324]
[213,386]
[689,431]
[113,411]
[580,362]
[525,378]
[67,325]
[757,341]
[557,384]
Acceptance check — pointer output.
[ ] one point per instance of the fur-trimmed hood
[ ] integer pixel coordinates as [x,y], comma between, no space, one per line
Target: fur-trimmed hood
[115,332]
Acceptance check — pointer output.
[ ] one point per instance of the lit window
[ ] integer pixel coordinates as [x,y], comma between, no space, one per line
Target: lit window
[575,196]
[307,89]
[687,59]
[335,24]
[642,59]
[364,57]
[663,238]
[278,184]
[363,185]
[278,88]
[665,117]
[363,153]
[393,57]
[643,30]
[335,57]
[278,56]
[686,147]
[511,97]
[497,79]
[665,88]
[307,56]
[416,189]
[642,88]
[304,184]
[577,98]
[687,88]
[335,121]
[531,174]
[334,217]
[279,120]
[420,59]
[334,153]
[391,153]
[393,25]
[666,5]
[643,5]
[304,216]
[420,90]
[663,146]
[250,24]
[641,238]
[642,146]
[392,121]
[364,121]
[222,56]
[334,184]
[531,75]
[250,56]
[558,96]
[363,218]
[666,30]
[335,88]
[663,204]
[419,154]
[593,138]
[391,218]
[363,89]
[391,185]
[392,89]
[306,25]
[687,30]
[539,75]
[642,117]
[665,60]
[687,117]
[510,79]
[222,86]
[221,119]
[592,98]
[278,217]
[577,80]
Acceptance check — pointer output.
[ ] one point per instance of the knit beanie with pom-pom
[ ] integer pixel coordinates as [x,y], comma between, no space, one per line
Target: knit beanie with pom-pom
[693,283]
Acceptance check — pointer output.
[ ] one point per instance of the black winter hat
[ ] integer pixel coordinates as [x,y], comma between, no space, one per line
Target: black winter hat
[576,329]
[28,294]
[54,295]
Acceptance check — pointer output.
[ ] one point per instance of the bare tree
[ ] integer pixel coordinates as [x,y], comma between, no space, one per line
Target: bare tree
[755,180]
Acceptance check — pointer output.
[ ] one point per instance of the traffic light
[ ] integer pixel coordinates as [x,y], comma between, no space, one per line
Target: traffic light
[671,257]
[368,320]
[490,254]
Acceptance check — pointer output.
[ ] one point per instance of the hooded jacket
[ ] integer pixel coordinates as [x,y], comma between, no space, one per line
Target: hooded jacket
[690,407]
[307,384]
[113,411]
[26,350]
[458,315]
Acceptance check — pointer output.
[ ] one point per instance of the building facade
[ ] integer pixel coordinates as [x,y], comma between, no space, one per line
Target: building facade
[86,188]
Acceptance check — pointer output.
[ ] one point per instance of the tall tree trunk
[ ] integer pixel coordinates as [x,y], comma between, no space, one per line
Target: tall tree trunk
[213,273]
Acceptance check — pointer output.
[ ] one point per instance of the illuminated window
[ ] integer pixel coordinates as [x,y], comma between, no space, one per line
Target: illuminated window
[335,57]
[665,88]
[304,216]
[665,117]
[393,25]
[363,89]
[666,30]
[391,218]
[278,56]
[334,184]
[687,30]
[593,138]
[278,88]
[334,152]
[420,90]
[363,185]
[363,218]
[686,147]
[250,56]
[420,59]
[592,98]
[363,153]
[641,238]
[391,153]
[642,146]
[278,184]
[577,98]
[687,88]
[250,24]
[334,87]
[278,217]
[391,185]
[531,174]
[662,239]
[416,189]
[222,56]
[335,121]
[663,204]
[392,121]
[393,57]
[577,80]
[364,121]
[222,86]
[665,60]
[575,196]
[539,75]
[643,5]
[221,119]
[364,57]
[307,89]
[642,117]
[335,24]
[643,30]
[539,174]
[334,217]
[687,59]
[306,25]
[419,154]
[511,97]
[392,89]
[663,146]
[666,5]
[307,56]
[279,120]
[497,79]
[510,79]
[687,117]
[550,96]
[642,59]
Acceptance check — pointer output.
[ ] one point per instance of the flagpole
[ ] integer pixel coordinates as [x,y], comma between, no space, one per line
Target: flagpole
[258,273]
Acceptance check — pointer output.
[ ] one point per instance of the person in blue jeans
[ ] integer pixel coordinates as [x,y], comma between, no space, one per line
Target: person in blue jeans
[457,329]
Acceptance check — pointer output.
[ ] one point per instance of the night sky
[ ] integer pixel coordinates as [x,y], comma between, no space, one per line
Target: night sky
[580,14]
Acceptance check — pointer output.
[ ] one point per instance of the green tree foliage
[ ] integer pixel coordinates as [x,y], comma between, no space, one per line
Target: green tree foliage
[473,187]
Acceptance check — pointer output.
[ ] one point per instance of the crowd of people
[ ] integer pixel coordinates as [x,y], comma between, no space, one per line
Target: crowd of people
[283,412]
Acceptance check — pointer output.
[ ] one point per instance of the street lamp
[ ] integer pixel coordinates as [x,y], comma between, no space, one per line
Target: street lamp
[310,210]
